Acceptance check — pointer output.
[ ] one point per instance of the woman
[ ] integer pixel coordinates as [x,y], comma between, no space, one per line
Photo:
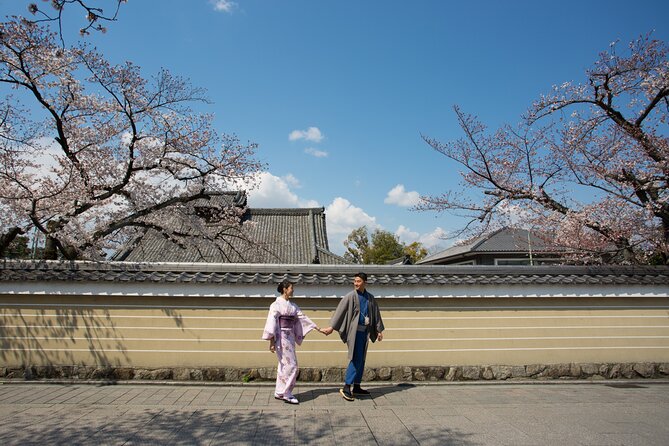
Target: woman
[286,326]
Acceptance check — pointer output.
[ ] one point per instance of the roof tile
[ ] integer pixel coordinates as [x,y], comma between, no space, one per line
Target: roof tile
[23,271]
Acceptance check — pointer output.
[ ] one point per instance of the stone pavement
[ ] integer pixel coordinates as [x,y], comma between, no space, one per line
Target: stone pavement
[602,413]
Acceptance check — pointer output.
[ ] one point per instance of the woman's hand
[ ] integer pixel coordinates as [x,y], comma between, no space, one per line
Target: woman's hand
[272,346]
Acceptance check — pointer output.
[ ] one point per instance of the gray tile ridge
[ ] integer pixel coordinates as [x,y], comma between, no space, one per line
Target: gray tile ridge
[285,211]
[323,274]
[515,270]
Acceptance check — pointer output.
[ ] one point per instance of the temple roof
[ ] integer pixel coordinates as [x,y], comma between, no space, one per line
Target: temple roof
[502,241]
[281,235]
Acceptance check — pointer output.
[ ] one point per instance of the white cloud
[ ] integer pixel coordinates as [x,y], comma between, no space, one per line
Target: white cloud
[401,197]
[315,152]
[342,218]
[292,181]
[223,5]
[515,215]
[311,134]
[434,241]
[406,235]
[275,192]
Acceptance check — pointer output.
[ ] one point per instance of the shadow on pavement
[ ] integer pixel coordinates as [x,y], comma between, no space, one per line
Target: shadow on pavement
[374,392]
[164,427]
[386,390]
[312,394]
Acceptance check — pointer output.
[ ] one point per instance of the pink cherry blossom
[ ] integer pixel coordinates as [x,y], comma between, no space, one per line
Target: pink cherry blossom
[588,165]
[92,154]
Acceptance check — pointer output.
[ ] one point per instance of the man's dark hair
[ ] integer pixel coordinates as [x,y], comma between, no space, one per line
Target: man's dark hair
[363,276]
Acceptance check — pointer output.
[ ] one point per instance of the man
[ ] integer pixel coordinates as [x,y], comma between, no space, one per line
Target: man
[357,319]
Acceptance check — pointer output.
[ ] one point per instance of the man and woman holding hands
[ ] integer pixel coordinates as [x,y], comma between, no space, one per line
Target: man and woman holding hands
[357,319]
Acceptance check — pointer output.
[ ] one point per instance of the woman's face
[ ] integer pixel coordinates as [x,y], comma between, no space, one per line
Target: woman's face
[288,292]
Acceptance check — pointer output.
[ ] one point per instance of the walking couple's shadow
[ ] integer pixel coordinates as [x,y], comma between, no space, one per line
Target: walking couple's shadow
[375,391]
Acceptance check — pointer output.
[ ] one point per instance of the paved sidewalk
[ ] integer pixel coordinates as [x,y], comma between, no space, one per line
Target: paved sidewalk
[612,413]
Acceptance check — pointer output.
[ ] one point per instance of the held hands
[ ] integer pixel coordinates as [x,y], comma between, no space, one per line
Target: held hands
[326,331]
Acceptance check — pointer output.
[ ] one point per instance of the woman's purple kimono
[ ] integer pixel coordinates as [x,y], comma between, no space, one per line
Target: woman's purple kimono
[288,326]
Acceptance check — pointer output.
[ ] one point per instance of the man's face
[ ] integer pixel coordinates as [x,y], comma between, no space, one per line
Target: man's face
[359,284]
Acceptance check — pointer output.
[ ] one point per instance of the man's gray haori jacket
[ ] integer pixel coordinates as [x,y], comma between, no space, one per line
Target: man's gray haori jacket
[346,316]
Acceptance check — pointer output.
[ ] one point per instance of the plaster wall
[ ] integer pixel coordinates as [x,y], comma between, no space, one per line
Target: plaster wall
[192,330]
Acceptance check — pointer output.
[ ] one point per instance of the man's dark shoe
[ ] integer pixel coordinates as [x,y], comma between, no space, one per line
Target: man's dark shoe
[346,393]
[357,390]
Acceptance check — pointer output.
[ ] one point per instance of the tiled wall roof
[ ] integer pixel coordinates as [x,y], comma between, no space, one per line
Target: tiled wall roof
[21,271]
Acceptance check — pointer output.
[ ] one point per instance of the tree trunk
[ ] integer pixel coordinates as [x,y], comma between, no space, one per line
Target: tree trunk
[7,238]
[50,249]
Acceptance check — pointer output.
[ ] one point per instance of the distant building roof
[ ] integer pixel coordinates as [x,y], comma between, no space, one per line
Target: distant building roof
[404,260]
[293,236]
[505,241]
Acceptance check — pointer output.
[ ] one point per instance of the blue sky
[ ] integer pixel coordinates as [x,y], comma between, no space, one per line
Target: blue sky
[338,93]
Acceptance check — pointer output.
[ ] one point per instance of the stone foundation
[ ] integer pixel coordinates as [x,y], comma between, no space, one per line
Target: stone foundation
[394,374]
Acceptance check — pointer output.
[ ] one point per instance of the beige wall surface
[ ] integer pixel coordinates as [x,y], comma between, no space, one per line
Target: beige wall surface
[225,332]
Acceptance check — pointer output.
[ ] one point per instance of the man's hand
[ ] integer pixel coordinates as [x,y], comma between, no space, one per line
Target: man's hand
[379,337]
[327,331]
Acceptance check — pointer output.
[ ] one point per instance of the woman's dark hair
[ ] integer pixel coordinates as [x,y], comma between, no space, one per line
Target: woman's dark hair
[283,285]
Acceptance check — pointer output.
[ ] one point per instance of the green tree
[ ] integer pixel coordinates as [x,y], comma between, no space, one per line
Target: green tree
[416,251]
[385,247]
[379,248]
[357,245]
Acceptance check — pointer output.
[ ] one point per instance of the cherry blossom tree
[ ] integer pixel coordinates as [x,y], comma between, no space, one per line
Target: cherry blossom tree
[587,166]
[92,154]
[95,15]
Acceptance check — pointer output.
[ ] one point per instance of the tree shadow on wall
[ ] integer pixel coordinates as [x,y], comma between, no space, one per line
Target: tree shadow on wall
[52,336]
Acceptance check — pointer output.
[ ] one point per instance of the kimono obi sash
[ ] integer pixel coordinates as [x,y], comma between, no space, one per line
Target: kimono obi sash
[287,321]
